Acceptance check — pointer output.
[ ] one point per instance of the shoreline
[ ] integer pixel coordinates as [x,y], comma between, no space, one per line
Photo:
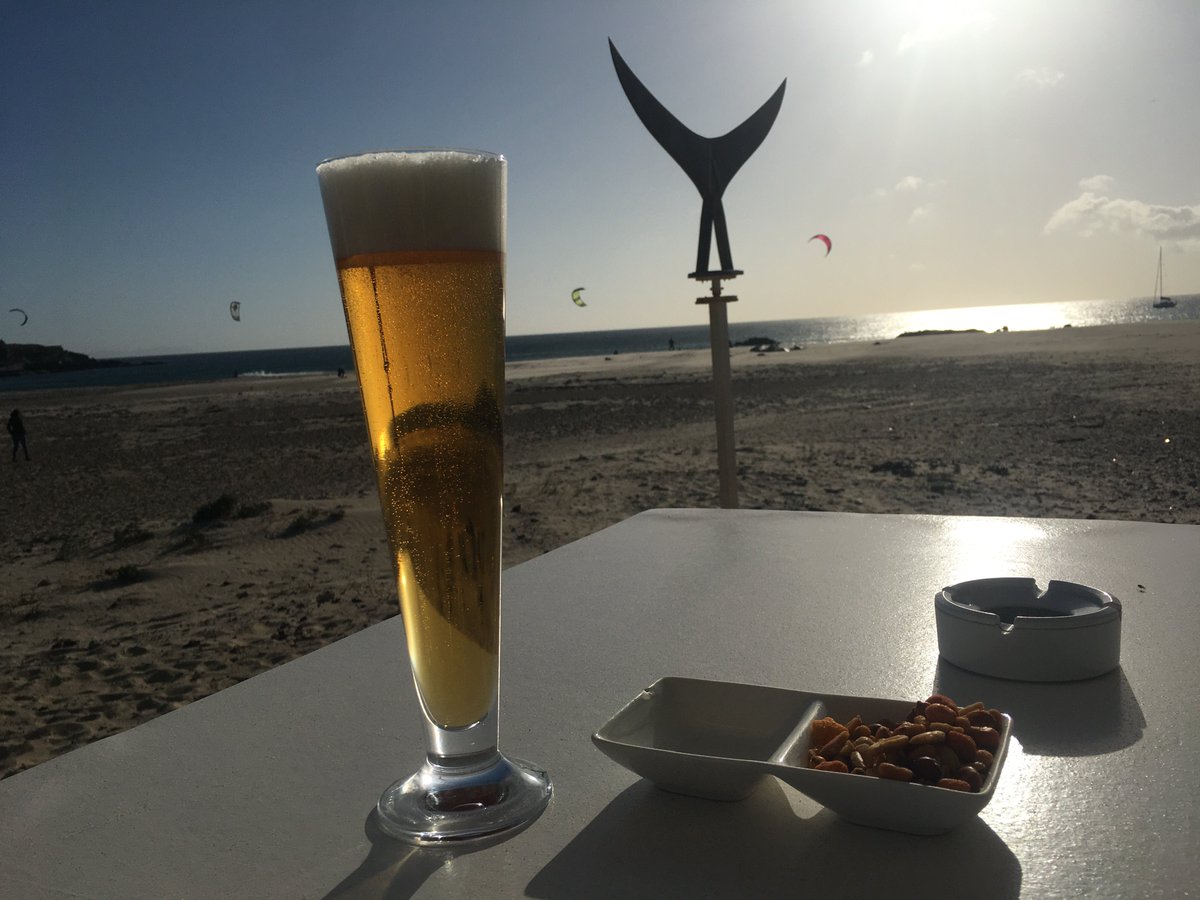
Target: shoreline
[119,607]
[771,331]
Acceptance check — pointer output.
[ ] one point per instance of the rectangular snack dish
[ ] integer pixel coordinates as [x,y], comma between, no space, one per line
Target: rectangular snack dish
[718,740]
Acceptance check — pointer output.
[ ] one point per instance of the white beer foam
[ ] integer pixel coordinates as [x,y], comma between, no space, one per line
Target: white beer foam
[414,200]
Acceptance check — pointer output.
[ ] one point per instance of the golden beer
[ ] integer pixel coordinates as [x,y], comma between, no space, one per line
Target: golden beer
[427,328]
[418,243]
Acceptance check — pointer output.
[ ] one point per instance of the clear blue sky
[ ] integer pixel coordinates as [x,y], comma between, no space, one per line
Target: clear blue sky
[158,155]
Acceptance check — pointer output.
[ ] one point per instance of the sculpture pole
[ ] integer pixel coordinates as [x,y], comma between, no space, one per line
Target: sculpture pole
[710,163]
[718,339]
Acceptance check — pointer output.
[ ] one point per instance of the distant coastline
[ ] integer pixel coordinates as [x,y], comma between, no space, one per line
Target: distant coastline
[40,359]
[926,332]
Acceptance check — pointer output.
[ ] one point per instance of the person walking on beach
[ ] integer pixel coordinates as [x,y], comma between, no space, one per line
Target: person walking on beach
[16,429]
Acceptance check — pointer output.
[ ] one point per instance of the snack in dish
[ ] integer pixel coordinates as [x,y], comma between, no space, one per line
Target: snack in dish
[939,743]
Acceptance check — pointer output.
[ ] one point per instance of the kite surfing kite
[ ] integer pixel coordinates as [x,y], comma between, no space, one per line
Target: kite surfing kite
[235,310]
[824,240]
[25,317]
[578,299]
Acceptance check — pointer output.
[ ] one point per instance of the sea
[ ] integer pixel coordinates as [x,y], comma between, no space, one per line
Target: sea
[280,363]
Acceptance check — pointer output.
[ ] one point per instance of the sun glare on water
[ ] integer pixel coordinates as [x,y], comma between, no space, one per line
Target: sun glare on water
[1013,317]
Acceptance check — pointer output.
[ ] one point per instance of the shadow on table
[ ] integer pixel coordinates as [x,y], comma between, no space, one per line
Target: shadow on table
[394,870]
[1062,718]
[650,843]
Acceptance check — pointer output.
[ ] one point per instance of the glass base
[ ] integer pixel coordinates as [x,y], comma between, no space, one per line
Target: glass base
[442,804]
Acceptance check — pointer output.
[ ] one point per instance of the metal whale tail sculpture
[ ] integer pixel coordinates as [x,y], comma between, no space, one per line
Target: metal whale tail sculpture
[710,163]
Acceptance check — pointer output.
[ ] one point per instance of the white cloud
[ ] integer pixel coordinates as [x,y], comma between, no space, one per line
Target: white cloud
[1098,184]
[1091,213]
[868,57]
[912,184]
[948,22]
[1041,79]
[913,192]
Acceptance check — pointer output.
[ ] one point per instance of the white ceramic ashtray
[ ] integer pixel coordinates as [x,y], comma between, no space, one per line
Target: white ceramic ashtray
[1011,628]
[719,739]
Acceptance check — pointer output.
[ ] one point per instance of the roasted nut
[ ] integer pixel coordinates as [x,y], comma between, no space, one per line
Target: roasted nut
[895,773]
[987,738]
[973,777]
[981,718]
[967,710]
[925,769]
[942,699]
[831,748]
[927,737]
[963,745]
[895,741]
[985,757]
[824,730]
[939,712]
[948,758]
[860,731]
[834,765]
[954,784]
[910,728]
[856,760]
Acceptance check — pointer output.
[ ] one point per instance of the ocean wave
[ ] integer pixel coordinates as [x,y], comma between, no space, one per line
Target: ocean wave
[262,373]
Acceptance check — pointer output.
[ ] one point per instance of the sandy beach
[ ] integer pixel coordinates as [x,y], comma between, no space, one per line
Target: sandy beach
[167,542]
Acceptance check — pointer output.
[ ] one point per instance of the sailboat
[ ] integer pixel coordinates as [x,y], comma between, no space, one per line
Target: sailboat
[1161,302]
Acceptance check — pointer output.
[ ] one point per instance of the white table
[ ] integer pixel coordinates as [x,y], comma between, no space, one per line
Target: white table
[264,790]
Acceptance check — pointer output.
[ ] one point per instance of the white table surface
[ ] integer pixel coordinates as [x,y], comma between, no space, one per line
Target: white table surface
[265,789]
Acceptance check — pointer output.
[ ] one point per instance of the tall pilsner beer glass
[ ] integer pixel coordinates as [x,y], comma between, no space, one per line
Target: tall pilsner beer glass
[418,240]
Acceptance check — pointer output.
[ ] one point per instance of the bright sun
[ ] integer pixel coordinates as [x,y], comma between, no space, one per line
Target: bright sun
[939,20]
